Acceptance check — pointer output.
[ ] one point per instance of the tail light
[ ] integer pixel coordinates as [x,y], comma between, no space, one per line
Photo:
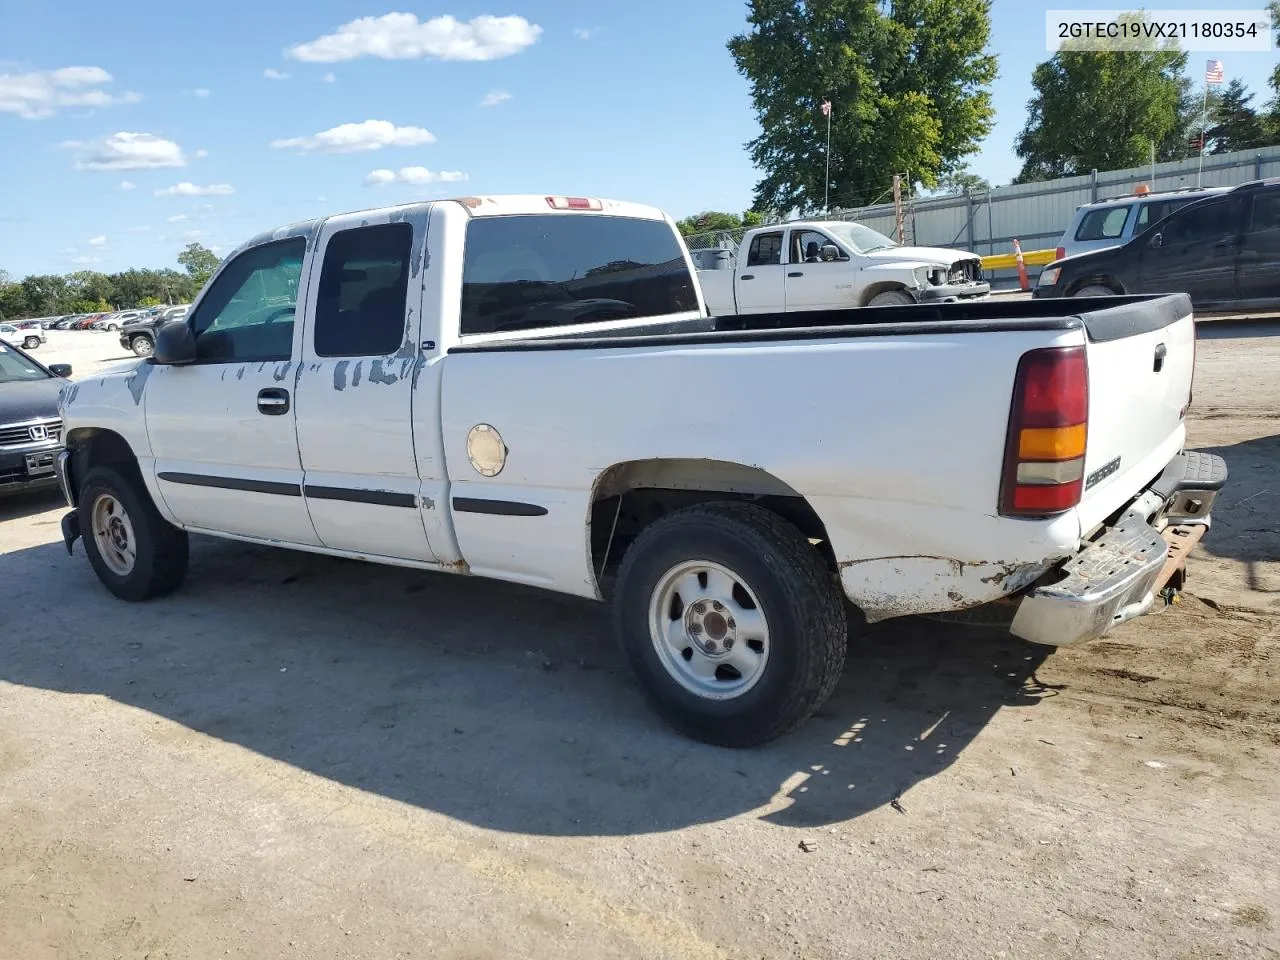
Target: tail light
[1048,430]
[1060,253]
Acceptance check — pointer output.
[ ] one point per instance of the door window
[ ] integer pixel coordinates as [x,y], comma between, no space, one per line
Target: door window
[248,312]
[1266,211]
[360,307]
[766,250]
[1202,222]
[1104,224]
[806,246]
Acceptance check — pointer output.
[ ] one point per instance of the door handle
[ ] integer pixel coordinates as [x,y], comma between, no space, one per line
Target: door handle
[273,401]
[1161,353]
[747,276]
[796,273]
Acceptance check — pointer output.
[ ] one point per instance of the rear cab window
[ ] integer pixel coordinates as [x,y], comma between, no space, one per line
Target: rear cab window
[529,272]
[360,308]
[1106,223]
[765,250]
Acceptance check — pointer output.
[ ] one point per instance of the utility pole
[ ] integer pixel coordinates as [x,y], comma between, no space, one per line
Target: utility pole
[897,204]
[826,183]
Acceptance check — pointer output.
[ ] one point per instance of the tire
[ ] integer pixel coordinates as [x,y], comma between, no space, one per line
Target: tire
[1094,290]
[785,677]
[143,346]
[891,298]
[30,343]
[113,326]
[160,554]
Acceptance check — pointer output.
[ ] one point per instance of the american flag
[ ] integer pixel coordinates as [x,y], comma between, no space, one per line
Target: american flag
[1213,72]
[826,105]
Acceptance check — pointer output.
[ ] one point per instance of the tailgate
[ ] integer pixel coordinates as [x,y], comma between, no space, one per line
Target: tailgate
[1141,358]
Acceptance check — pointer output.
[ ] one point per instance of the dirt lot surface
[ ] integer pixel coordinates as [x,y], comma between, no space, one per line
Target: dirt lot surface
[304,757]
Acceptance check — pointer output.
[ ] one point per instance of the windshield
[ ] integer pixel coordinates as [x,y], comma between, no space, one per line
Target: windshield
[15,368]
[861,239]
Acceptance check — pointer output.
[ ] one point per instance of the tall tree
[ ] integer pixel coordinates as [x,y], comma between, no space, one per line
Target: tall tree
[200,262]
[1233,123]
[1103,110]
[908,82]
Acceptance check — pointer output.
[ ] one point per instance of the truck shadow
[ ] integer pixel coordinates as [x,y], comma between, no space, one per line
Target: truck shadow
[1246,515]
[504,707]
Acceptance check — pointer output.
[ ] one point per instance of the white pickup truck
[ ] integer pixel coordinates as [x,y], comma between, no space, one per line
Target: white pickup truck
[830,264]
[530,389]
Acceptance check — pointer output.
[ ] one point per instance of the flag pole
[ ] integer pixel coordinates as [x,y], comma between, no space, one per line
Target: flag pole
[826,184]
[1204,130]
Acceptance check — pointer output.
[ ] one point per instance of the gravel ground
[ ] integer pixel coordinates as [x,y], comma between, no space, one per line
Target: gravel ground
[301,756]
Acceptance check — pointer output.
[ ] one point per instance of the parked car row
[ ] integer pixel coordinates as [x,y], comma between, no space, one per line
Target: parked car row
[1222,249]
[114,320]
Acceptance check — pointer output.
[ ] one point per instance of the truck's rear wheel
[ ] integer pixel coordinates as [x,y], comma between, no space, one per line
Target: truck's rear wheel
[30,343]
[1094,290]
[135,552]
[891,298]
[731,622]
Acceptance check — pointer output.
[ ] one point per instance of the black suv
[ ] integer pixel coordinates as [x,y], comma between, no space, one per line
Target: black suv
[1224,251]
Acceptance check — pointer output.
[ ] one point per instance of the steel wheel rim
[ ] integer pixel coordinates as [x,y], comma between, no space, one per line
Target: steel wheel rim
[142,346]
[708,630]
[113,534]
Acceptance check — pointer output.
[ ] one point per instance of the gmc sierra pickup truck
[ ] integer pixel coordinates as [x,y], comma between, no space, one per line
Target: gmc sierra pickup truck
[530,389]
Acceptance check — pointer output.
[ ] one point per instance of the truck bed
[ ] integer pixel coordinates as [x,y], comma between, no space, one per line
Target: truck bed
[1103,319]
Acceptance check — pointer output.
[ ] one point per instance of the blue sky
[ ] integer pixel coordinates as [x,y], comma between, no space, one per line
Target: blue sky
[163,132]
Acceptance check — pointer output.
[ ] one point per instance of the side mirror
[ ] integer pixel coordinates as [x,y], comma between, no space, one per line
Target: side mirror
[1157,240]
[175,344]
[60,369]
[830,251]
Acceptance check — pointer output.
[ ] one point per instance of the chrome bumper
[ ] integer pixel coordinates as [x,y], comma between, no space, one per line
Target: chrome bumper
[1117,576]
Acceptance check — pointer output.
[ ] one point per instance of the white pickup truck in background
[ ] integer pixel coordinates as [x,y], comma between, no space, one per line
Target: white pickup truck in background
[530,389]
[831,264]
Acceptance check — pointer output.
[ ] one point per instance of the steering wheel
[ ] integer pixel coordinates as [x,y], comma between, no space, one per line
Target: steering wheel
[278,313]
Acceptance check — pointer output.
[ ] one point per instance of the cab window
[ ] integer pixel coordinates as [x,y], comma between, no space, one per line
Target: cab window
[1106,223]
[766,250]
[248,312]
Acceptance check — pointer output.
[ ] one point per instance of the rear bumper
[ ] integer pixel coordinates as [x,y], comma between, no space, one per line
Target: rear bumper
[1119,574]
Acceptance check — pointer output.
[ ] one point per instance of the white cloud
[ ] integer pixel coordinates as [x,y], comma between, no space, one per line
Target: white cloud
[412,175]
[86,260]
[329,78]
[98,241]
[271,73]
[126,186]
[40,93]
[401,36]
[495,97]
[584,33]
[186,189]
[201,92]
[127,151]
[176,218]
[357,138]
[201,154]
[194,235]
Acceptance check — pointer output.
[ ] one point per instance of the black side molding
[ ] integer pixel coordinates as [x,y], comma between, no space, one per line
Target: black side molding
[502,508]
[381,498]
[234,483]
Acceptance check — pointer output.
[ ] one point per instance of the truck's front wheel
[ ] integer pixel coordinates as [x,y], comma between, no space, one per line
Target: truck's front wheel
[142,345]
[731,623]
[135,552]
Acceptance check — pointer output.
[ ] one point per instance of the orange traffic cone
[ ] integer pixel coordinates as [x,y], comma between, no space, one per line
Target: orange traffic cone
[1024,281]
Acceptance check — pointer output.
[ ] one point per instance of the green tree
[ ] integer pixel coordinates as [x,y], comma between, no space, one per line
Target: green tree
[13,299]
[908,83]
[45,294]
[707,221]
[752,218]
[963,181]
[199,261]
[1103,110]
[1233,123]
[150,302]
[92,286]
